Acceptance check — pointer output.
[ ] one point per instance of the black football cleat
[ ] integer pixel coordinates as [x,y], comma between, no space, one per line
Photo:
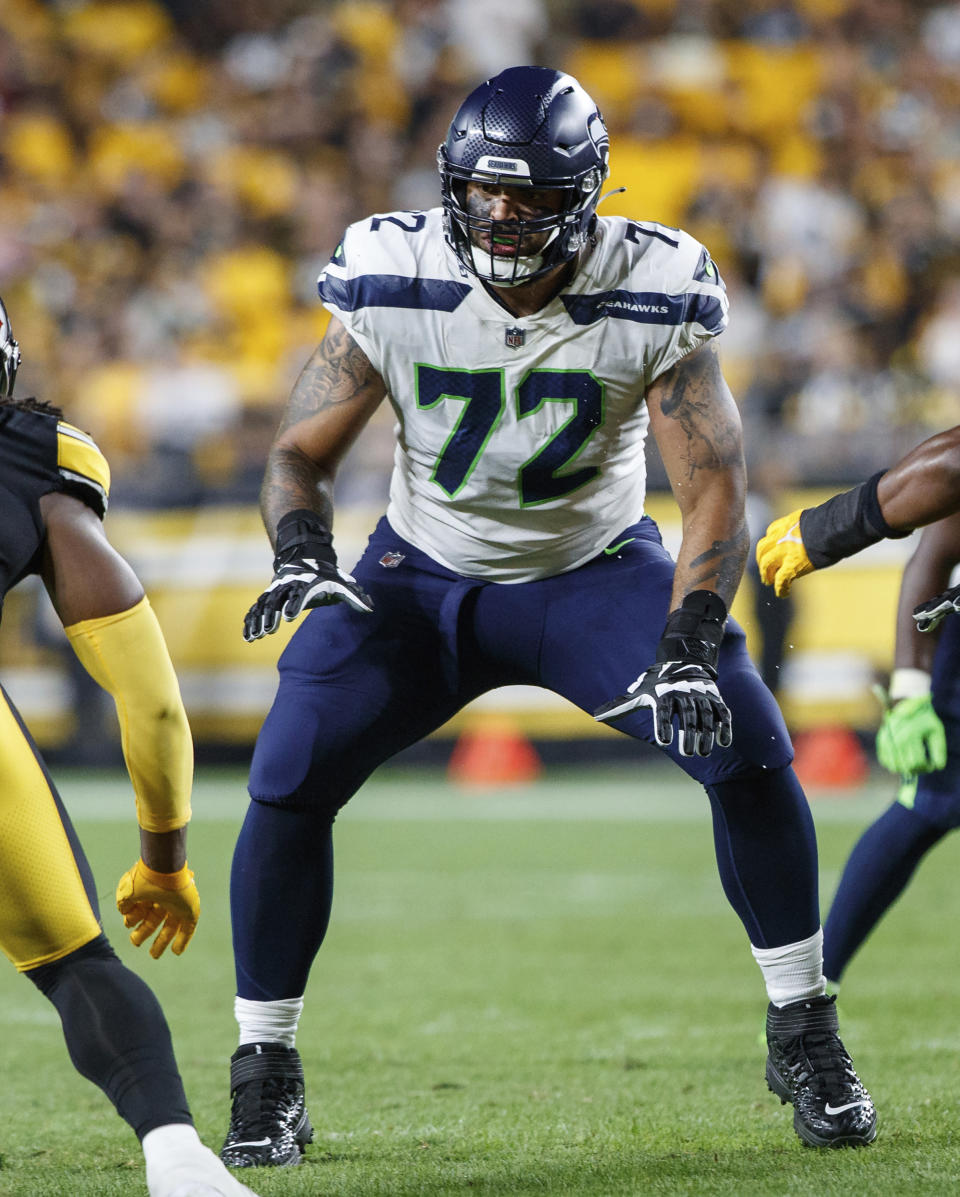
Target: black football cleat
[808,1066]
[269,1124]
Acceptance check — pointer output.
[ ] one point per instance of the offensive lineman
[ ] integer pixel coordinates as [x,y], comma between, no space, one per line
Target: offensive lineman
[526,347]
[54,484]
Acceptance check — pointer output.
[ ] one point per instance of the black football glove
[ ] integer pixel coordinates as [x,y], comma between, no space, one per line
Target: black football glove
[682,680]
[305,574]
[933,612]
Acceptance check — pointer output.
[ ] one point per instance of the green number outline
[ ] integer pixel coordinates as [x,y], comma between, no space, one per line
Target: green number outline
[466,400]
[420,368]
[568,461]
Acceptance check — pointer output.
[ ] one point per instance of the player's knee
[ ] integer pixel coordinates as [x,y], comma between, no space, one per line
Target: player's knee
[47,977]
[314,808]
[763,788]
[320,791]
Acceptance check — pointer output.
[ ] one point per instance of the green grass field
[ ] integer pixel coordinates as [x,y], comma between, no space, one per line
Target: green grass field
[527,992]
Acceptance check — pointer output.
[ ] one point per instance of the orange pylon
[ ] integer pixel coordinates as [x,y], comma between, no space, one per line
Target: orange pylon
[830,758]
[494,754]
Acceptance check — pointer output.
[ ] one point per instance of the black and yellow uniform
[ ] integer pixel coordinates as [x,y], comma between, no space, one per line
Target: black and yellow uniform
[113,1026]
[48,905]
[40,453]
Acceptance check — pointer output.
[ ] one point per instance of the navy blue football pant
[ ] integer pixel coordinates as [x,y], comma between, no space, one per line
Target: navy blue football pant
[887,854]
[355,689]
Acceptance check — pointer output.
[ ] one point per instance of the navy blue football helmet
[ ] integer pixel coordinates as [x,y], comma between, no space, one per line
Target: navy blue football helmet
[9,355]
[526,127]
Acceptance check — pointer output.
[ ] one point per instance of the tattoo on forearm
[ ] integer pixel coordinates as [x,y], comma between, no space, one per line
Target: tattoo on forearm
[721,566]
[338,371]
[292,481]
[690,397]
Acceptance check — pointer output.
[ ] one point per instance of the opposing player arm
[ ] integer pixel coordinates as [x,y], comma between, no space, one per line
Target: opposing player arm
[927,572]
[84,574]
[334,397]
[115,634]
[924,486]
[697,428]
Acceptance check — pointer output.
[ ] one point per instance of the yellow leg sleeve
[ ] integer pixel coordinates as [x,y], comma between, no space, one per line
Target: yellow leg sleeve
[127,655]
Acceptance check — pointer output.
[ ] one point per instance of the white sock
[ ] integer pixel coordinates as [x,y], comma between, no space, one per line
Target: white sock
[168,1143]
[794,971]
[268,1022]
[179,1165]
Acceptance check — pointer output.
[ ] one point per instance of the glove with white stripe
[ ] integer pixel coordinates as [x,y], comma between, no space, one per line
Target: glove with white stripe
[682,681]
[305,574]
[933,612]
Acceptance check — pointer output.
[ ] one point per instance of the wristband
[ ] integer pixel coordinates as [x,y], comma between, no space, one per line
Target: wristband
[694,630]
[845,524]
[171,881]
[909,683]
[300,527]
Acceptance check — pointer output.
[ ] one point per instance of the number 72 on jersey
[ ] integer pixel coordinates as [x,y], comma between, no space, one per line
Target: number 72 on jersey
[547,474]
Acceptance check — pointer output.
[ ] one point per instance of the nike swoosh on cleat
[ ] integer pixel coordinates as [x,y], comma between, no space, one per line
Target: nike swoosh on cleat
[615,548]
[265,1142]
[829,1109]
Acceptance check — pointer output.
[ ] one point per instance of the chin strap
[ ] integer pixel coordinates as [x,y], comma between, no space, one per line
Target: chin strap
[607,194]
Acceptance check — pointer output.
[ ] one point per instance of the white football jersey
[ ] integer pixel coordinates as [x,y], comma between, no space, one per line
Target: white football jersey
[520,440]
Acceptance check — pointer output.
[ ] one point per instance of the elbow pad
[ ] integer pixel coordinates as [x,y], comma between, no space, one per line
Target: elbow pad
[127,655]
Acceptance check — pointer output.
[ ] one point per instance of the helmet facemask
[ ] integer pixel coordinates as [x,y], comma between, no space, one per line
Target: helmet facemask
[557,236]
[9,355]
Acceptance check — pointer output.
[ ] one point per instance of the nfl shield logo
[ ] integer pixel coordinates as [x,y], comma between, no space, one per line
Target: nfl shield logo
[514,338]
[391,560]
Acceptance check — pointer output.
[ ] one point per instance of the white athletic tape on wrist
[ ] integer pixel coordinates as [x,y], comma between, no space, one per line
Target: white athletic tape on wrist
[909,683]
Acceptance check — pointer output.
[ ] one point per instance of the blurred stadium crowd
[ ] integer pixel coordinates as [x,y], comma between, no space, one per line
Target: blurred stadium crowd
[174,173]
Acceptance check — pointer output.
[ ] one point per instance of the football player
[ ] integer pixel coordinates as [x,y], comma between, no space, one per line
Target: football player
[919,739]
[55,484]
[526,346]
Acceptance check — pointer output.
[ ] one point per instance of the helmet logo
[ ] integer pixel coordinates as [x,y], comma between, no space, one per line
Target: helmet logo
[597,132]
[495,166]
[514,338]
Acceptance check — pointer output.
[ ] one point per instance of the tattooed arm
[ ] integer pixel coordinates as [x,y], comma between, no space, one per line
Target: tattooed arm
[334,397]
[696,425]
[332,400]
[697,429]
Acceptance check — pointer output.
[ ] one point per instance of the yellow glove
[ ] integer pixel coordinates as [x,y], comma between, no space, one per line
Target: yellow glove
[146,899]
[781,555]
